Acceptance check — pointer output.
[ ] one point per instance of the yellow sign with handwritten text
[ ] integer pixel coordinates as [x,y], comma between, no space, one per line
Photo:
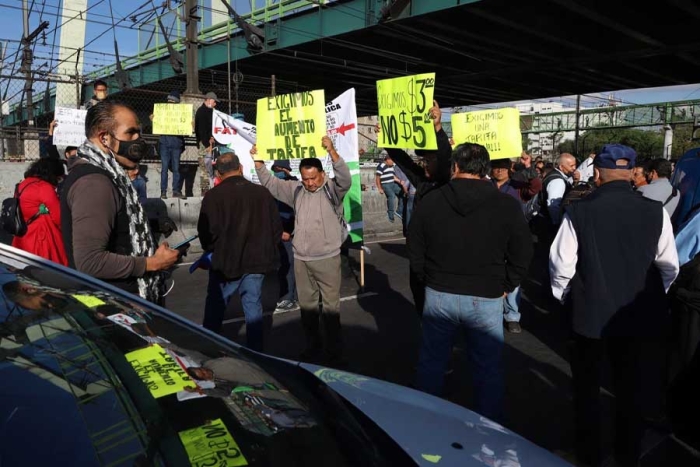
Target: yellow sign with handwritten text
[290,126]
[161,374]
[88,300]
[212,444]
[172,119]
[498,130]
[403,112]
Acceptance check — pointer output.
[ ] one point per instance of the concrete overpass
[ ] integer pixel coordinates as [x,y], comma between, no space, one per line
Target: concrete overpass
[483,51]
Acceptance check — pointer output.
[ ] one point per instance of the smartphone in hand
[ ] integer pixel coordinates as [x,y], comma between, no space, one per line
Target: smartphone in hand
[184,245]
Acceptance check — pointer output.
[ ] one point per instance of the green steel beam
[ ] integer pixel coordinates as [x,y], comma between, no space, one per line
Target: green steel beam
[629,116]
[282,30]
[285,26]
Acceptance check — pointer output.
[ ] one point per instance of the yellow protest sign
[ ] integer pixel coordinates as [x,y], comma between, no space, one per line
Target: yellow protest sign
[290,126]
[498,130]
[172,119]
[403,112]
[212,444]
[88,300]
[159,372]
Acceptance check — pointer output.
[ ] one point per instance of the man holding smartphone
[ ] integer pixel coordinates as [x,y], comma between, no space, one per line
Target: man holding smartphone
[240,225]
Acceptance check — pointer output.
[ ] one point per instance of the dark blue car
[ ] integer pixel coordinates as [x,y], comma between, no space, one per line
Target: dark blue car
[90,375]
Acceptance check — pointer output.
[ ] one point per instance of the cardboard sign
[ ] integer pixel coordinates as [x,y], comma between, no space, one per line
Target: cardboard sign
[70,127]
[403,112]
[172,119]
[161,374]
[498,130]
[212,444]
[290,126]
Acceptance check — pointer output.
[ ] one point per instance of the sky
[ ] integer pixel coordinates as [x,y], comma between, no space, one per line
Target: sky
[100,50]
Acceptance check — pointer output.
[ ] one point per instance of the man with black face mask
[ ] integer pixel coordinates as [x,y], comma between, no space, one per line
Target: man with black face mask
[105,228]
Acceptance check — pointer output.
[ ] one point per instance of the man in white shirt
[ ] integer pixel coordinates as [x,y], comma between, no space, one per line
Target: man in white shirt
[613,260]
[555,186]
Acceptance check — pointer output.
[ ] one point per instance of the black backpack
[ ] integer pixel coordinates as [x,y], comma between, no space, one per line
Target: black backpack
[11,218]
[576,193]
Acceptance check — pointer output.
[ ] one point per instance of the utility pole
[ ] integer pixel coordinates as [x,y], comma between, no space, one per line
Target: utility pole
[27,63]
[191,53]
[2,102]
[28,59]
[578,114]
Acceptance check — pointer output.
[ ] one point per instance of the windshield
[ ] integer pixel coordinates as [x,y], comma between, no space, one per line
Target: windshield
[105,380]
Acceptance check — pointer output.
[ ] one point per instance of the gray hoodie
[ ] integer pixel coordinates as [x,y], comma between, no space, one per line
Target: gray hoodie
[317,230]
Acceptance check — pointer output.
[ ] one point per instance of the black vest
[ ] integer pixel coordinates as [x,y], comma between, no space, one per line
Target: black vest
[120,238]
[551,176]
[617,289]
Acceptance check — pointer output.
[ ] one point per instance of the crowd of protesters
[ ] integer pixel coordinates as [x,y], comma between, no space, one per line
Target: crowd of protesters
[613,233]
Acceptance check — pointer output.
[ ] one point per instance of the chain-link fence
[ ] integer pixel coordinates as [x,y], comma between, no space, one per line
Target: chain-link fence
[24,134]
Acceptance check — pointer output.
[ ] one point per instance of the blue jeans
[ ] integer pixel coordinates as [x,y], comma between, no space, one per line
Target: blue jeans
[220,291]
[512,304]
[392,191]
[482,321]
[169,159]
[288,283]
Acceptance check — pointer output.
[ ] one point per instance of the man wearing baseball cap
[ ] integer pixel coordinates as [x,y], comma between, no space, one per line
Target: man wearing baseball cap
[612,261]
[202,129]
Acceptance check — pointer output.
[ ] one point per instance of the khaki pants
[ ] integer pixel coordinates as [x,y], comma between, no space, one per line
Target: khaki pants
[314,278]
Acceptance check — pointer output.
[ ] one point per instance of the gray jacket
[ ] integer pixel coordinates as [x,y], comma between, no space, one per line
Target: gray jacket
[317,230]
[660,190]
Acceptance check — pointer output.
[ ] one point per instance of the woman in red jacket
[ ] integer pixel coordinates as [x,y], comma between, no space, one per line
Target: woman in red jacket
[38,195]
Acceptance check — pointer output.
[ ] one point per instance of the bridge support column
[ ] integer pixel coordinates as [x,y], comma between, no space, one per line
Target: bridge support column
[668,141]
[71,54]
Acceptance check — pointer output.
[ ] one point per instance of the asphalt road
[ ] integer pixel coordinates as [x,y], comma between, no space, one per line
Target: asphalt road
[382,334]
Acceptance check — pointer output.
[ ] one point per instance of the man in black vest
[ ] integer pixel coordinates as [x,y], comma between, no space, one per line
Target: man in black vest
[554,187]
[615,254]
[105,229]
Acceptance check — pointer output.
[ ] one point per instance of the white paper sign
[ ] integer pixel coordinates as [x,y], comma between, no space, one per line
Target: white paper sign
[70,127]
[239,136]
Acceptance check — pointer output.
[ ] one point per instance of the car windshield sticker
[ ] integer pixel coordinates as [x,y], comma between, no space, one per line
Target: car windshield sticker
[159,371]
[212,444]
[88,300]
[434,458]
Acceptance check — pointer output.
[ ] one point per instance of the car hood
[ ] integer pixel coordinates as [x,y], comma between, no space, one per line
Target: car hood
[431,430]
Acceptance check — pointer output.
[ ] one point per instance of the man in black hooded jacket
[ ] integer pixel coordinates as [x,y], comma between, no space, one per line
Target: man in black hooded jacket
[435,174]
[471,246]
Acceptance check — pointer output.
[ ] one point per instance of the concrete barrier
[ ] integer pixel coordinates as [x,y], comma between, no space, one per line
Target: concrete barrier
[185,213]
[13,172]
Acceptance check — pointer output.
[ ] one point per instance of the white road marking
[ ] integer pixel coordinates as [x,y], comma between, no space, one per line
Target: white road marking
[267,313]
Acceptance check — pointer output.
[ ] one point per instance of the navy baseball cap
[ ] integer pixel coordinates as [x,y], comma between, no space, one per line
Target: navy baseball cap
[615,156]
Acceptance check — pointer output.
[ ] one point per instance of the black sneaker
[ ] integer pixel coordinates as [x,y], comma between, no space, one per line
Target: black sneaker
[286,306]
[164,195]
[513,327]
[177,194]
